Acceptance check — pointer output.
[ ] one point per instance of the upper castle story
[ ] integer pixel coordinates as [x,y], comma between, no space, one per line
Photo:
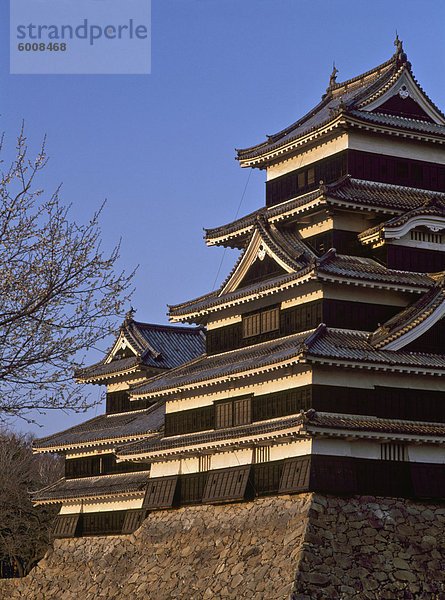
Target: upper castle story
[379,126]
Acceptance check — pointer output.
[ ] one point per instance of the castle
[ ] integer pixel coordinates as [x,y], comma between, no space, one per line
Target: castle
[320,366]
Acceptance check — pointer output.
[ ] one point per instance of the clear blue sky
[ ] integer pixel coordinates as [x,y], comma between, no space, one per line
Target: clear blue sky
[160,147]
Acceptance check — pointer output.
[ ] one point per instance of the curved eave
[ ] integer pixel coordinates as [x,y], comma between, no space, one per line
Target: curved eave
[224,377]
[333,127]
[397,130]
[363,80]
[274,214]
[279,436]
[107,496]
[100,379]
[414,327]
[200,315]
[109,441]
[260,159]
[333,361]
[322,431]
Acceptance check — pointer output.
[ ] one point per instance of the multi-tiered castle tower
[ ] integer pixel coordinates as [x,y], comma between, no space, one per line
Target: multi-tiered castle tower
[325,354]
[325,344]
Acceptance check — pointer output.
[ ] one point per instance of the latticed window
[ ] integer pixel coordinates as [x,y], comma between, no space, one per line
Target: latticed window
[224,414]
[233,412]
[261,454]
[241,411]
[392,451]
[311,176]
[205,462]
[252,325]
[263,322]
[270,320]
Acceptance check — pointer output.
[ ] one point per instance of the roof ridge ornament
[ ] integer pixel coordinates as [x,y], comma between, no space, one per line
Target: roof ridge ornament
[130,314]
[333,77]
[400,55]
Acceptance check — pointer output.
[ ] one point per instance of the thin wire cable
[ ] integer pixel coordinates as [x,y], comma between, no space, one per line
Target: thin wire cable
[236,216]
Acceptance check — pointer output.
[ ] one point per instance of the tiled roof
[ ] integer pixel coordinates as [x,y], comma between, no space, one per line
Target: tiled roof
[354,346]
[323,343]
[413,316]
[157,346]
[431,208]
[108,427]
[357,267]
[223,365]
[272,213]
[384,195]
[399,122]
[348,98]
[218,435]
[338,95]
[368,194]
[331,265]
[87,487]
[321,420]
[213,300]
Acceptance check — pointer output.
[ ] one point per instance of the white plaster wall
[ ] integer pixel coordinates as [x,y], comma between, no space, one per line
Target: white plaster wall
[89,506]
[162,469]
[292,377]
[427,454]
[369,295]
[297,448]
[395,147]
[368,379]
[309,156]
[363,141]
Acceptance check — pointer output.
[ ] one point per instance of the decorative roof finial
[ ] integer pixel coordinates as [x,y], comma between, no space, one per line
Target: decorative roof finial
[398,44]
[333,78]
[130,314]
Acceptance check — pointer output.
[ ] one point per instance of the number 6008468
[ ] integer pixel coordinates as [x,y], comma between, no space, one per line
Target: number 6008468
[42,47]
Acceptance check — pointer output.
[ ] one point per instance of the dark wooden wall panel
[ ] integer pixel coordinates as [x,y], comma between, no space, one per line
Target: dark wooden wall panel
[104,464]
[419,260]
[333,474]
[428,480]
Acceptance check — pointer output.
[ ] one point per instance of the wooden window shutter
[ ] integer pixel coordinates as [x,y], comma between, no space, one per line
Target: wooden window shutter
[270,320]
[160,492]
[65,526]
[226,484]
[296,474]
[133,520]
[224,414]
[252,325]
[242,411]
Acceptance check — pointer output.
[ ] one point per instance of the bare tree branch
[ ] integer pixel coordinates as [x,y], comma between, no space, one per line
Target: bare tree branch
[59,292]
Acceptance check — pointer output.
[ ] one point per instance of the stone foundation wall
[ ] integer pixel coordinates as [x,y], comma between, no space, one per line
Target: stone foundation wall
[308,545]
